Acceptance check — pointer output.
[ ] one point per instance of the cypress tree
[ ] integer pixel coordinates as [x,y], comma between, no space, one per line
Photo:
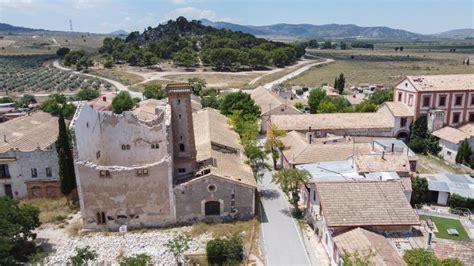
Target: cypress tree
[67,177]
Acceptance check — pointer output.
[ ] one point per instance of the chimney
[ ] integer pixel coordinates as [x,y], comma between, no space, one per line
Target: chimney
[383,155]
[309,136]
[5,137]
[104,98]
[393,147]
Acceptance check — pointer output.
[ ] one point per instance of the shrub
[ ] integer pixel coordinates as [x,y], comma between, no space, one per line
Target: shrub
[227,250]
[83,255]
[137,260]
[456,201]
[122,102]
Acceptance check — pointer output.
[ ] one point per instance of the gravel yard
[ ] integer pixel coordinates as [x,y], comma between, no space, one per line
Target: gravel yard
[111,246]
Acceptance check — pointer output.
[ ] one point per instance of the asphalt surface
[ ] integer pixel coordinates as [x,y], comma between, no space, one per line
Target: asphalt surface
[281,242]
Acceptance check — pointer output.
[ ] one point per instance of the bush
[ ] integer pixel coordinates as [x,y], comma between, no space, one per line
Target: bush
[418,145]
[456,201]
[137,260]
[122,102]
[226,250]
[419,256]
[62,51]
[83,255]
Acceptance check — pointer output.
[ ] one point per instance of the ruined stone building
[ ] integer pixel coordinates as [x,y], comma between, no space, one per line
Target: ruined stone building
[159,165]
[28,157]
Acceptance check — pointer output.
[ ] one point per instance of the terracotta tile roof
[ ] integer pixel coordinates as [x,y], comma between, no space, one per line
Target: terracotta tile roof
[146,109]
[210,129]
[450,134]
[27,133]
[332,121]
[391,162]
[360,203]
[299,151]
[468,129]
[443,82]
[266,99]
[398,109]
[366,242]
[103,103]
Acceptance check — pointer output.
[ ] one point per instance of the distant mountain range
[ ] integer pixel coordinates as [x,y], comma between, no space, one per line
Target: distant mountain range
[4,27]
[460,33]
[119,33]
[307,31]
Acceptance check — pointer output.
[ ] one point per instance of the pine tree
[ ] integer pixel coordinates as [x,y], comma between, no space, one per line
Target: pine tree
[341,83]
[67,176]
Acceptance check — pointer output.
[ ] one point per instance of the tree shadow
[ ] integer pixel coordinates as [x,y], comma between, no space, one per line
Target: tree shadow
[263,214]
[269,194]
[44,244]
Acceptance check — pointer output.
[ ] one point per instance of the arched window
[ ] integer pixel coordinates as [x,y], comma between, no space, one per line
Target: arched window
[100,217]
[181,147]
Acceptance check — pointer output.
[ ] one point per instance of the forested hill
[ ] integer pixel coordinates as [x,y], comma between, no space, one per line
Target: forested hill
[189,43]
[4,27]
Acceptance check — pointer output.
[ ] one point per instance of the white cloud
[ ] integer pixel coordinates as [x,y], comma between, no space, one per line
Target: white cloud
[190,13]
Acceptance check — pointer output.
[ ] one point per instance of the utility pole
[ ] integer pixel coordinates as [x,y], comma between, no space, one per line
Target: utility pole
[70,25]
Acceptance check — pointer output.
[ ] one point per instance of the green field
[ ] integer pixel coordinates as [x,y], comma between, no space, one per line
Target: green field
[381,66]
[443,224]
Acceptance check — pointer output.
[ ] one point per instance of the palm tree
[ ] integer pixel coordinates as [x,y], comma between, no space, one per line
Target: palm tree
[290,181]
[273,142]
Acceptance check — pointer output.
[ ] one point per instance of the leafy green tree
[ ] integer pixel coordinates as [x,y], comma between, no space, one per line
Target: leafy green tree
[419,128]
[283,56]
[186,57]
[84,63]
[327,106]
[327,45]
[357,259]
[340,83]
[381,96]
[315,98]
[228,250]
[109,63]
[299,106]
[17,223]
[256,158]
[290,181]
[464,153]
[419,256]
[365,107]
[343,46]
[178,245]
[137,260]
[419,187]
[210,98]
[198,84]
[62,51]
[313,44]
[6,100]
[154,91]
[83,256]
[87,94]
[67,176]
[122,102]
[27,99]
[57,103]
[239,101]
[273,142]
[258,58]
[73,57]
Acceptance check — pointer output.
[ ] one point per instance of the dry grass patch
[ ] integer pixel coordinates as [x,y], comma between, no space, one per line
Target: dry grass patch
[123,77]
[224,80]
[51,210]
[223,229]
[141,87]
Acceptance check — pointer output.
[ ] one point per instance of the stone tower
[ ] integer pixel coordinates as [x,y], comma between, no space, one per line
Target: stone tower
[184,147]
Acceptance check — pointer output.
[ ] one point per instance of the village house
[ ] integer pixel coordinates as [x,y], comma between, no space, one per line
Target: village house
[377,206]
[152,167]
[341,124]
[401,117]
[271,104]
[366,243]
[448,100]
[450,138]
[442,186]
[28,157]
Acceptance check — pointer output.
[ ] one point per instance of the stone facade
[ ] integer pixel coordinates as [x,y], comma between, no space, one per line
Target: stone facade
[39,167]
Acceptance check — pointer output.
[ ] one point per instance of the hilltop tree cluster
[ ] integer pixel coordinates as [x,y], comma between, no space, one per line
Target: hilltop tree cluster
[189,43]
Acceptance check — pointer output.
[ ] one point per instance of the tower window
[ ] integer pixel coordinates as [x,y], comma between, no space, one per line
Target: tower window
[179,116]
[155,146]
[34,172]
[104,173]
[179,101]
[181,147]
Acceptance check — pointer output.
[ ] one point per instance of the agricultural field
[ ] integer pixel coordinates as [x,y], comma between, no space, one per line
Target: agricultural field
[123,77]
[31,74]
[381,66]
[48,42]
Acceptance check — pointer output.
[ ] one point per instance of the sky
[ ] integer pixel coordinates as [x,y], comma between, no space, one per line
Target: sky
[104,16]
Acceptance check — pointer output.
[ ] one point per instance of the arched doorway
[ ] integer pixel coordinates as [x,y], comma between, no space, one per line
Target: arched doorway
[212,208]
[403,136]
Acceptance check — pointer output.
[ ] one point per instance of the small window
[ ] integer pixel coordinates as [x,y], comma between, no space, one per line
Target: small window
[139,172]
[181,147]
[155,145]
[406,84]
[400,96]
[145,172]
[442,100]
[456,118]
[179,101]
[48,172]
[125,147]
[104,173]
[181,170]
[179,116]
[34,172]
[472,99]
[448,153]
[87,124]
[314,196]
[410,100]
[458,101]
[426,101]
[101,218]
[97,155]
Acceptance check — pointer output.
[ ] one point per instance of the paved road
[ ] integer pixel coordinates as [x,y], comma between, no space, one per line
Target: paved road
[282,242]
[295,73]
[117,84]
